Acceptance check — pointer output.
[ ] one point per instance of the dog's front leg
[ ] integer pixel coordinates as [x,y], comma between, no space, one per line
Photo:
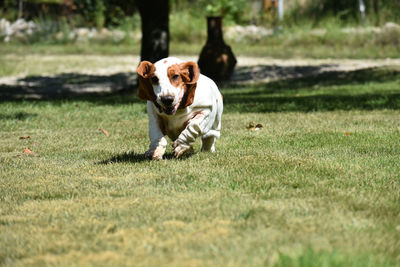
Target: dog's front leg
[158,143]
[187,137]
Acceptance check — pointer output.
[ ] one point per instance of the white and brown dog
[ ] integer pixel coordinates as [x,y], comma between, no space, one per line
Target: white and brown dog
[181,104]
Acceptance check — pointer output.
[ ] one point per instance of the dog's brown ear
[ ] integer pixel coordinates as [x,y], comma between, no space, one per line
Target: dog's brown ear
[145,70]
[188,96]
[145,90]
[190,72]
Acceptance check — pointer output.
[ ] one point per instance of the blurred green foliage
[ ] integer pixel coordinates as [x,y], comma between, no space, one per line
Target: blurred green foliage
[9,9]
[113,13]
[78,13]
[233,11]
[109,13]
[344,12]
[227,8]
[59,19]
[46,1]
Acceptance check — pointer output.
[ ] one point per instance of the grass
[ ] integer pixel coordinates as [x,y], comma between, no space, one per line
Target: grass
[318,185]
[36,64]
[326,92]
[331,42]
[290,44]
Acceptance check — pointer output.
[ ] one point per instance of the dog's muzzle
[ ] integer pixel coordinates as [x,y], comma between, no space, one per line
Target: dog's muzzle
[167,100]
[168,106]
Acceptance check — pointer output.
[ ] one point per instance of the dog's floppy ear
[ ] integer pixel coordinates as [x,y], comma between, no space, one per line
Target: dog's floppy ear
[145,71]
[190,72]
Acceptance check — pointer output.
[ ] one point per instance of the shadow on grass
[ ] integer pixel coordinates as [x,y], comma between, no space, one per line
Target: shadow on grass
[366,89]
[132,157]
[258,73]
[320,90]
[67,85]
[314,103]
[19,116]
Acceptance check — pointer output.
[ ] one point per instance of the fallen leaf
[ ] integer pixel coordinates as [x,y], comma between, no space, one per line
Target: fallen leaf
[251,125]
[29,152]
[104,132]
[24,137]
[254,127]
[347,133]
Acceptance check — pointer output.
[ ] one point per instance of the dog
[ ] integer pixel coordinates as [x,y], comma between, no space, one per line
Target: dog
[181,104]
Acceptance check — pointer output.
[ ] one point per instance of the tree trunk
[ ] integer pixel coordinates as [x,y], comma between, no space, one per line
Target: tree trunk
[155,29]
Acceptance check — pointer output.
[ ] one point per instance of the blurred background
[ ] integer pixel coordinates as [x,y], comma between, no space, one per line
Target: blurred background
[289,28]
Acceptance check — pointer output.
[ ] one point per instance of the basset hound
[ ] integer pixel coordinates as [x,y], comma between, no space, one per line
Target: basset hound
[181,104]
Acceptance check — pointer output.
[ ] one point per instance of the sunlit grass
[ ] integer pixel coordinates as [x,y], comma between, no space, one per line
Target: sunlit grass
[318,184]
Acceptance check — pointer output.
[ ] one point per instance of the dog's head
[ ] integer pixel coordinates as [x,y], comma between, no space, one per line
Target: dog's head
[169,83]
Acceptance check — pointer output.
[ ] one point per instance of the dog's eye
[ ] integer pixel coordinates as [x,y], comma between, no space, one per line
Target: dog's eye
[154,80]
[175,77]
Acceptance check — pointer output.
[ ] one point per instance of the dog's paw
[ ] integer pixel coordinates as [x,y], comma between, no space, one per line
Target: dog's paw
[156,154]
[181,148]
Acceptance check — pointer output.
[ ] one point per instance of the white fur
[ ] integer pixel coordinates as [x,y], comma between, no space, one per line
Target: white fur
[203,116]
[164,87]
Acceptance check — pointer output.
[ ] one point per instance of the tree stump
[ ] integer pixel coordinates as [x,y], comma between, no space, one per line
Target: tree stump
[216,60]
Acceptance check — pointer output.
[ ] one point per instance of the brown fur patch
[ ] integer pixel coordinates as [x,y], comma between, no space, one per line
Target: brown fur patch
[163,124]
[145,71]
[174,76]
[194,116]
[190,72]
[197,115]
[145,90]
[188,97]
[185,75]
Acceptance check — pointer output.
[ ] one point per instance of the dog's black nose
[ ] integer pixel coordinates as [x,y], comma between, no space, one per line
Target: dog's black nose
[167,100]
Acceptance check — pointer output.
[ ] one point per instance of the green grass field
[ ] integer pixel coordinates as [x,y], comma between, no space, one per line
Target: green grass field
[317,185]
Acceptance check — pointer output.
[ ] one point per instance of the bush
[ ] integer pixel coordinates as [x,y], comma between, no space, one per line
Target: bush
[389,35]
[233,11]
[187,28]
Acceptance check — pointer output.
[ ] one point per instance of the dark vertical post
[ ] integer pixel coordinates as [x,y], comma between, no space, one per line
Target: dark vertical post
[214,30]
[216,60]
[155,29]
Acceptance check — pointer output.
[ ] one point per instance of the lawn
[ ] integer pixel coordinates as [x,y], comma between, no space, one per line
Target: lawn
[317,185]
